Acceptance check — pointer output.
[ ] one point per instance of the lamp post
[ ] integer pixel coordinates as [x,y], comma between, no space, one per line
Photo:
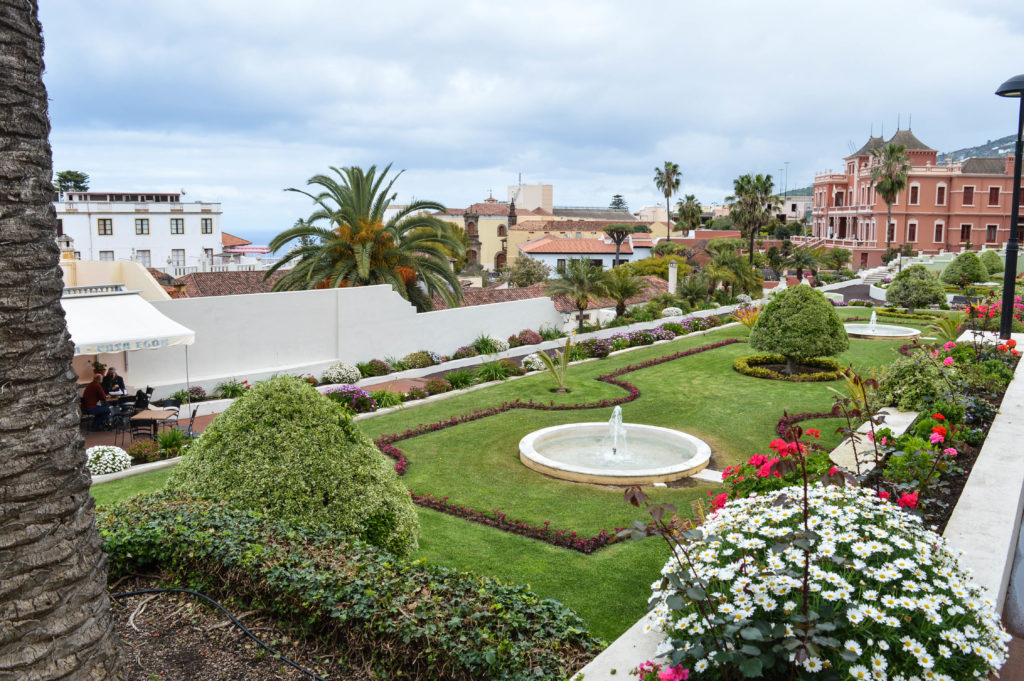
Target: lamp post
[1012,88]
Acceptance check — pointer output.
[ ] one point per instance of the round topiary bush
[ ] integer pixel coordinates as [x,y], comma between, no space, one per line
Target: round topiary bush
[799,324]
[915,287]
[106,459]
[966,267]
[285,450]
[419,360]
[992,262]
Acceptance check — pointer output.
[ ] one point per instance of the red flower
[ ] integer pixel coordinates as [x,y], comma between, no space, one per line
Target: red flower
[882,494]
[814,432]
[938,417]
[908,500]
[1011,343]
[777,444]
[941,430]
[719,501]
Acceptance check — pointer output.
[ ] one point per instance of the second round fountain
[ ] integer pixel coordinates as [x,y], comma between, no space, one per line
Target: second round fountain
[614,453]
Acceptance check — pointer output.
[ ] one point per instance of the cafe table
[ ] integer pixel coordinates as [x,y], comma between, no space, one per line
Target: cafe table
[153,416]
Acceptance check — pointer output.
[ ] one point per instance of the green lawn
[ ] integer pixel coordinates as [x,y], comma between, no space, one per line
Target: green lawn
[477,465]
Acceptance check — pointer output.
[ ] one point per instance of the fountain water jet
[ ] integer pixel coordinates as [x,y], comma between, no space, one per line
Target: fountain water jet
[875,331]
[598,452]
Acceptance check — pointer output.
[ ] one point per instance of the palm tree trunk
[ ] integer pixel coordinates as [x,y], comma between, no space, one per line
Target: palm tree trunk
[751,244]
[579,326]
[53,598]
[668,217]
[888,221]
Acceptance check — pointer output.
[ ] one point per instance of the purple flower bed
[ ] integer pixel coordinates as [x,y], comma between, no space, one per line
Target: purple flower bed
[498,519]
[465,351]
[838,303]
[353,397]
[595,347]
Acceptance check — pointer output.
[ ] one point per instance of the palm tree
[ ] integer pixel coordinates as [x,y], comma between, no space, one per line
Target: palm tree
[752,203]
[580,280]
[618,234]
[889,170]
[667,180]
[621,286]
[742,275]
[688,212]
[346,241]
[691,289]
[53,593]
[713,275]
[836,258]
[804,258]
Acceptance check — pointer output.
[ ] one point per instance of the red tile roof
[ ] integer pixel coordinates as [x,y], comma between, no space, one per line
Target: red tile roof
[480,296]
[232,240]
[570,225]
[553,244]
[202,284]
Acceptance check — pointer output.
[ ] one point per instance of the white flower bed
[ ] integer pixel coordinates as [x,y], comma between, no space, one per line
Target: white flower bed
[341,373]
[902,606]
[671,312]
[533,362]
[501,344]
[106,459]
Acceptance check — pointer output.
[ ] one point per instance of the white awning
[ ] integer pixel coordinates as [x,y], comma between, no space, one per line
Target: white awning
[119,322]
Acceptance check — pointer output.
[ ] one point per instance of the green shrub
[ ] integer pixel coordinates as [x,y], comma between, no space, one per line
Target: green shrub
[418,360]
[375,367]
[915,287]
[992,262]
[396,363]
[460,378]
[799,323]
[144,451]
[492,371]
[911,382]
[231,388]
[172,441]
[751,366]
[386,398]
[966,267]
[550,333]
[286,450]
[436,386]
[415,394]
[415,620]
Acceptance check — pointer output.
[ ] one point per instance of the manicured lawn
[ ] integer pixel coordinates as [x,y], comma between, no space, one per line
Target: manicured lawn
[477,465]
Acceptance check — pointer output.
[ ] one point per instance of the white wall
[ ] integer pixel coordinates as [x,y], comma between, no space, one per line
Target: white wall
[255,336]
[551,259]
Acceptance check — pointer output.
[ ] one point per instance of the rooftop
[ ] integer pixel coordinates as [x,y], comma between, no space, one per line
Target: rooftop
[486,296]
[201,284]
[559,245]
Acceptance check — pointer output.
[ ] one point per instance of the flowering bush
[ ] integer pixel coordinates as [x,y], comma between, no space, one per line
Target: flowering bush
[341,373]
[415,394]
[672,312]
[674,328]
[533,363]
[375,367]
[436,357]
[595,347]
[106,459]
[530,337]
[231,388]
[652,671]
[486,345]
[418,360]
[465,351]
[353,397]
[766,473]
[436,386]
[144,451]
[884,598]
[194,393]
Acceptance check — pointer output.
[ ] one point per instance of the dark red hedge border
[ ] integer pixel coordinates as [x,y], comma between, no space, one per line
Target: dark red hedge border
[788,420]
[498,519]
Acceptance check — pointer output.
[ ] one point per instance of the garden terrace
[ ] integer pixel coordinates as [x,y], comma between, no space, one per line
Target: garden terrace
[476,465]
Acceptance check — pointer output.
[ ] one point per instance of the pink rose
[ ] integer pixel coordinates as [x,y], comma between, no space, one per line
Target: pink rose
[936,438]
[948,361]
[676,673]
[950,451]
[949,346]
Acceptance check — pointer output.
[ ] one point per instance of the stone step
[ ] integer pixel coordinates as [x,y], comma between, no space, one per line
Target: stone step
[847,457]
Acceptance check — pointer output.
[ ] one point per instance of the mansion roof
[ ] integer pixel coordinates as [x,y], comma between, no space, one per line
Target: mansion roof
[486,296]
[202,284]
[559,245]
[570,225]
[984,166]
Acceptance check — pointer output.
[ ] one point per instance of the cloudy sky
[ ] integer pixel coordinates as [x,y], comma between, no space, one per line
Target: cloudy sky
[236,101]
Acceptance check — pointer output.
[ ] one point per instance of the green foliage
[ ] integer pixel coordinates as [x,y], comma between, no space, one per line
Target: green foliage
[915,287]
[948,328]
[172,441]
[966,268]
[658,267]
[437,385]
[527,271]
[425,621]
[910,383]
[580,281]
[558,367]
[375,367]
[751,366]
[486,345]
[618,203]
[71,181]
[386,398]
[799,323]
[492,371]
[144,451]
[286,450]
[992,262]
[460,378]
[418,360]
[550,332]
[231,388]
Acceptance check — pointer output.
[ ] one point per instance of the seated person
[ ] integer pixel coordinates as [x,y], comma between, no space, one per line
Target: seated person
[91,398]
[112,383]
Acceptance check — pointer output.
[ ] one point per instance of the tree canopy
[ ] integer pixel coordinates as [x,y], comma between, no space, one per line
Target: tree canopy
[580,280]
[618,203]
[889,170]
[799,323]
[667,179]
[915,287]
[71,181]
[527,271]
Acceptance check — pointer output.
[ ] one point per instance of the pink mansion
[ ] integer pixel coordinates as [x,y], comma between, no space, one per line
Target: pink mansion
[942,209]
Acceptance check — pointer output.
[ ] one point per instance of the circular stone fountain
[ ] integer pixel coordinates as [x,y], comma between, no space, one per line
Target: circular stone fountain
[614,453]
[875,331]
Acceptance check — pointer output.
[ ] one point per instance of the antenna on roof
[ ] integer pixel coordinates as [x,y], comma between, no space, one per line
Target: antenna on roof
[850,145]
[897,122]
[872,129]
[910,121]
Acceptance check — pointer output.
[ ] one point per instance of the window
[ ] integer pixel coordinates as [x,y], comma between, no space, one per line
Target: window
[106,256]
[579,235]
[940,195]
[501,230]
[177,225]
[560,265]
[178,257]
[891,234]
[915,194]
[206,225]
[993,196]
[105,227]
[60,227]
[208,254]
[968,196]
[990,233]
[792,208]
[940,236]
[839,199]
[597,262]
[143,258]
[78,255]
[142,225]
[911,232]
[471,228]
[965,232]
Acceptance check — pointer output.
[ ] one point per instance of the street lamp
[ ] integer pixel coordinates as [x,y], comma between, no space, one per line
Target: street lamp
[1012,88]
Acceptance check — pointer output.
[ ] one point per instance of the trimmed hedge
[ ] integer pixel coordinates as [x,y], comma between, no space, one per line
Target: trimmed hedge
[965,267]
[799,324]
[926,316]
[750,366]
[418,620]
[992,262]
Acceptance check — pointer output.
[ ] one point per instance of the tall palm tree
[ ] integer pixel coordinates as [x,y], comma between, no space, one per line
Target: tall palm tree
[622,285]
[668,179]
[54,608]
[347,242]
[713,275]
[804,258]
[890,167]
[752,202]
[581,280]
[688,212]
[742,275]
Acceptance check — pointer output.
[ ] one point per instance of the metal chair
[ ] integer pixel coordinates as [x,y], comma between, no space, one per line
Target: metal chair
[189,432]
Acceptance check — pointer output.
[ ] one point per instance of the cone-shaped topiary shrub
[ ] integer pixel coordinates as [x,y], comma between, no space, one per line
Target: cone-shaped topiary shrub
[799,323]
[915,287]
[965,267]
[285,450]
[992,262]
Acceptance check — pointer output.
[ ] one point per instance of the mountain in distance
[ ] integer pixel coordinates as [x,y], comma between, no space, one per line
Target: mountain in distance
[991,149]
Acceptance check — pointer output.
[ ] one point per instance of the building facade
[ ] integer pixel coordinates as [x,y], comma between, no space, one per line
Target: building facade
[944,208]
[155,230]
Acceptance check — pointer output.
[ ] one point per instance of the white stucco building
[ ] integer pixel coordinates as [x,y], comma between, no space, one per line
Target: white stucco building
[156,230]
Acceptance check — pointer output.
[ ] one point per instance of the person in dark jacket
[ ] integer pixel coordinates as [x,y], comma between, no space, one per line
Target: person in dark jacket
[113,383]
[91,398]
